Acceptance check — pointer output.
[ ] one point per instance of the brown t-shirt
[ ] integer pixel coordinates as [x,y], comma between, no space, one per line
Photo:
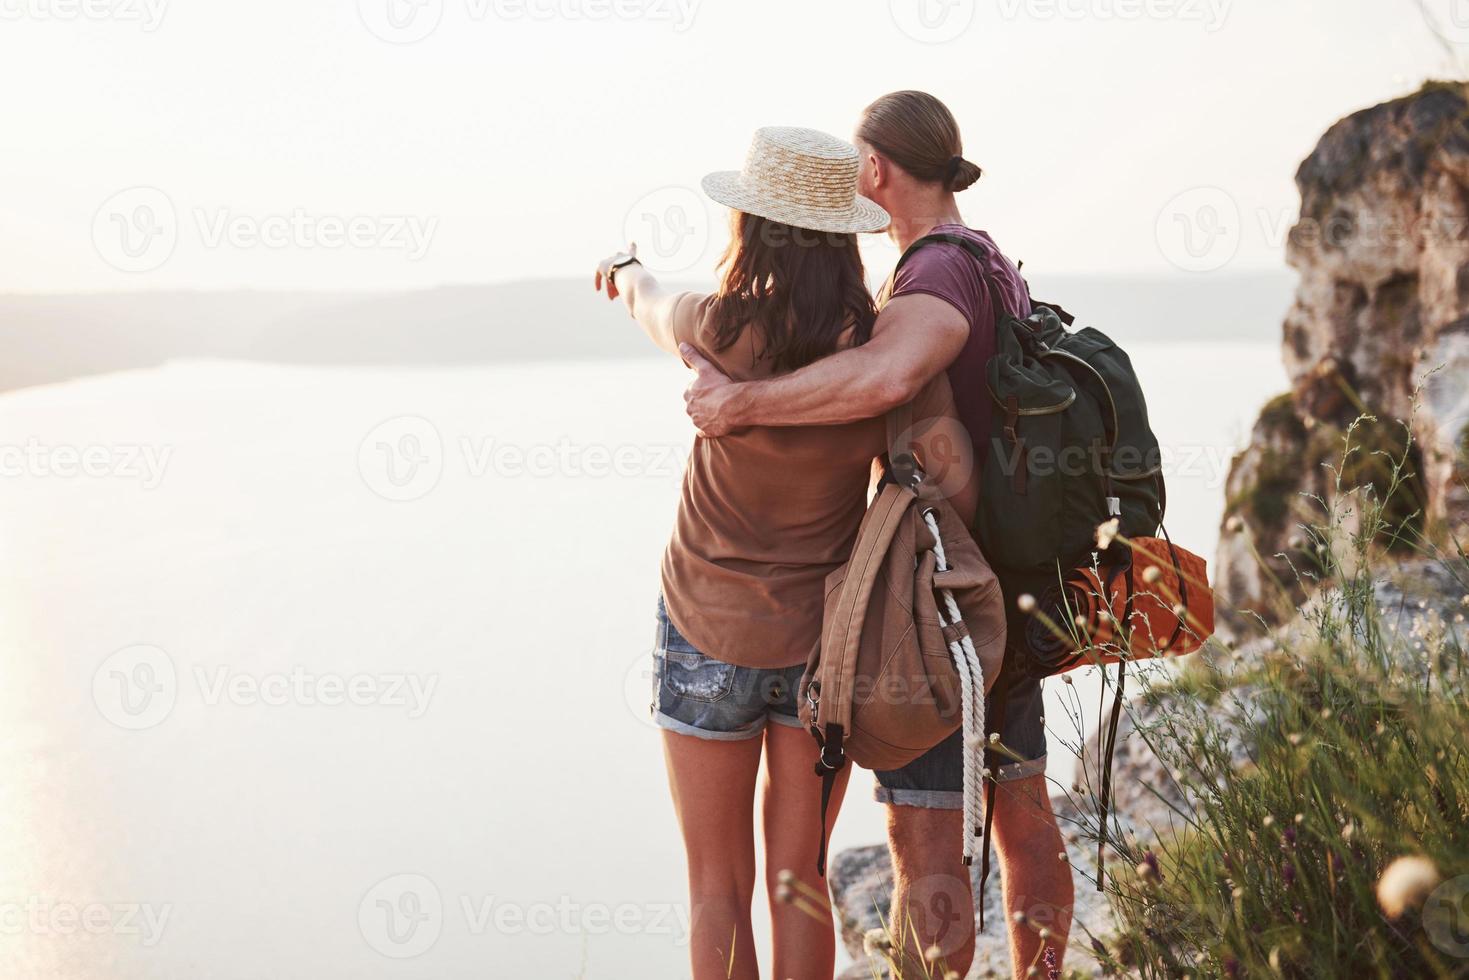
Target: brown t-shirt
[766,515]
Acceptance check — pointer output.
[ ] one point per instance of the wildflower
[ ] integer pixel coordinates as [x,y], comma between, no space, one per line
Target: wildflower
[1288,838]
[994,738]
[933,954]
[1151,574]
[1288,873]
[1107,533]
[1294,738]
[1337,864]
[1063,857]
[1020,918]
[1147,870]
[1231,967]
[1300,819]
[1025,602]
[1406,884]
[1234,525]
[1325,714]
[784,894]
[1043,933]
[876,942]
[1066,679]
[1269,821]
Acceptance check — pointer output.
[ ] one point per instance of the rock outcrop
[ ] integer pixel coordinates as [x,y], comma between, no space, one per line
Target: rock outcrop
[1381,314]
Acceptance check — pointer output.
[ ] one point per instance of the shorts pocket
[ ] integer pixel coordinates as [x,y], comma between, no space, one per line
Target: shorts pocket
[695,677]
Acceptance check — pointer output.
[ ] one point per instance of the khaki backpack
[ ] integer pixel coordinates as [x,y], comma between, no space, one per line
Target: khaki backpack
[912,639]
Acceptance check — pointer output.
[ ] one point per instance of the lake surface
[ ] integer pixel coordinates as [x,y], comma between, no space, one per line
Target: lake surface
[329,673]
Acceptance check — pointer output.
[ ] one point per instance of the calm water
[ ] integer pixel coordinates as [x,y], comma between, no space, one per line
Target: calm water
[331,673]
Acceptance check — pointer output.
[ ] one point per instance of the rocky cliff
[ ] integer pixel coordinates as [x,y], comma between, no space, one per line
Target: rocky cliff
[1380,325]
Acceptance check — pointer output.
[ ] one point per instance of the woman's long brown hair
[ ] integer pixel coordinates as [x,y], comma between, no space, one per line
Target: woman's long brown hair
[801,290]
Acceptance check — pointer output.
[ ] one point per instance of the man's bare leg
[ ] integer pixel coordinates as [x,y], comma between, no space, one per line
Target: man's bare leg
[933,904]
[1037,882]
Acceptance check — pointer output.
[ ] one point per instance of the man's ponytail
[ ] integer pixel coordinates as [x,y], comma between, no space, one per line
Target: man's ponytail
[918,133]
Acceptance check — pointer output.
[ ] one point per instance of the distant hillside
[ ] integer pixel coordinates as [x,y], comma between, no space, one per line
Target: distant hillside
[52,338]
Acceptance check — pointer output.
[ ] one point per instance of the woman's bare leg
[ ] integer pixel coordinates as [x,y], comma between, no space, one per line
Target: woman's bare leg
[713,785]
[805,946]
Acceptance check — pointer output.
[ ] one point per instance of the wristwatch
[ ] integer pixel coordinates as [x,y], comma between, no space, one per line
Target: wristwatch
[612,271]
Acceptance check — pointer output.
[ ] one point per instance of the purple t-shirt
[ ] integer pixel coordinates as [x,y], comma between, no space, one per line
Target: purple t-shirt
[954,275]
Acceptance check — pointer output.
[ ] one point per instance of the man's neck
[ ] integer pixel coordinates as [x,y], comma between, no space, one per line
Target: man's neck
[914,219]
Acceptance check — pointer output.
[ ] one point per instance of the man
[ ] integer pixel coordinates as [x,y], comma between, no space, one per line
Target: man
[940,315]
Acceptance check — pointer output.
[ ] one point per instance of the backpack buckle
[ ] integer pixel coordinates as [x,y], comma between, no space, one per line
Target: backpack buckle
[904,470]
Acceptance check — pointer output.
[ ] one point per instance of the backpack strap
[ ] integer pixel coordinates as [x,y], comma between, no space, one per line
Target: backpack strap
[902,465]
[978,251]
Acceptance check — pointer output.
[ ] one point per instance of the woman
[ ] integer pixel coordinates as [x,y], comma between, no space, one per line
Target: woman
[765,515]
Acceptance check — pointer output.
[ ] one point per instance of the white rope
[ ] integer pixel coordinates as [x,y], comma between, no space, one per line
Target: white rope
[971,691]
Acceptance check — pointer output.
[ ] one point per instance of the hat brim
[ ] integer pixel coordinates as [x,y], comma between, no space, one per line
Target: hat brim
[728,187]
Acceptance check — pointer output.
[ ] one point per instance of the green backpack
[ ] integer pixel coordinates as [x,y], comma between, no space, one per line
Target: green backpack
[1069,445]
[1069,448]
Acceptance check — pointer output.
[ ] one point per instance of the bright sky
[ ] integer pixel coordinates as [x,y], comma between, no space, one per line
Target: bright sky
[154,144]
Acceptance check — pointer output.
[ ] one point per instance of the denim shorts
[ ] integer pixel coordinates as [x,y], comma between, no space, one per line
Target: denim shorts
[694,694]
[935,780]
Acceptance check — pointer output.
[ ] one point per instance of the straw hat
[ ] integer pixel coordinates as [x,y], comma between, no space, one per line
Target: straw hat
[802,177]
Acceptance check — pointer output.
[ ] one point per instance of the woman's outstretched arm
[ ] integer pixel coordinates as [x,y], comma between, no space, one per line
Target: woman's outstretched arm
[649,303]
